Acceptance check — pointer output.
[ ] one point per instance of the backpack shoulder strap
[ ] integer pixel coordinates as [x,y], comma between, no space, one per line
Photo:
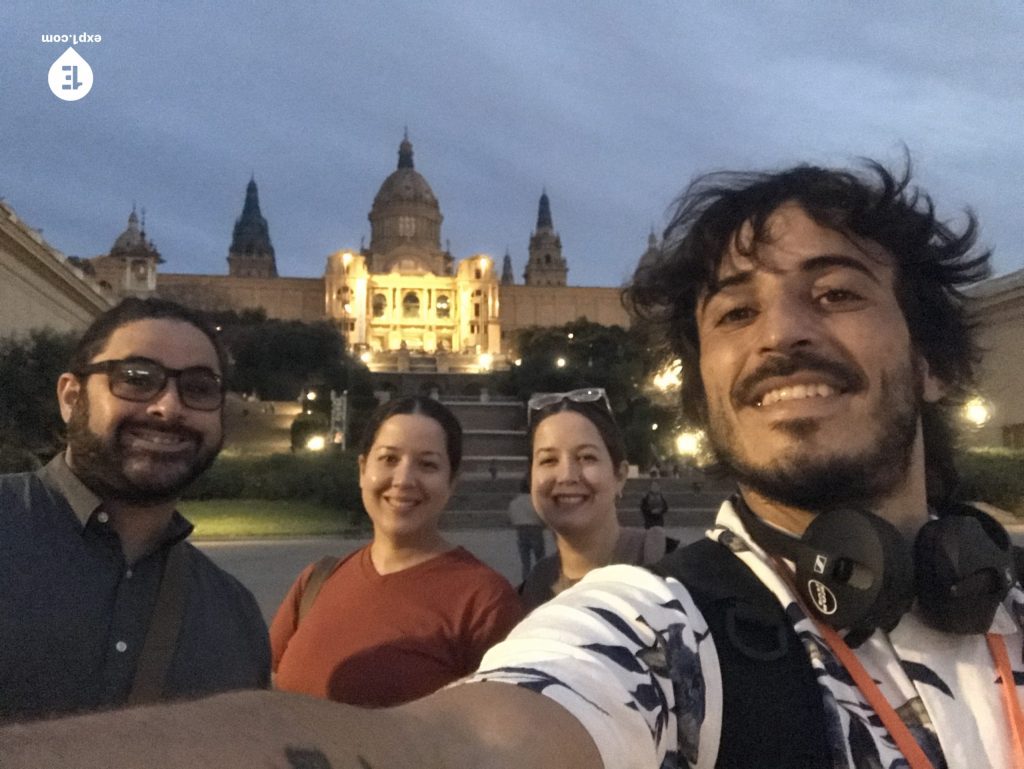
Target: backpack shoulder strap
[322,569]
[164,625]
[772,703]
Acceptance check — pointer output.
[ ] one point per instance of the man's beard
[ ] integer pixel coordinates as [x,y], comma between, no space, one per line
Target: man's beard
[104,465]
[835,480]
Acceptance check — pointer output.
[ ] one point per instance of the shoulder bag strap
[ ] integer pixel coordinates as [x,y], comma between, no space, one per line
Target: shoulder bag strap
[164,624]
[321,571]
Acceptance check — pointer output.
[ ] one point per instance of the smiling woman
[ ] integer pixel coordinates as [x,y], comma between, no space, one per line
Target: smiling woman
[577,472]
[408,613]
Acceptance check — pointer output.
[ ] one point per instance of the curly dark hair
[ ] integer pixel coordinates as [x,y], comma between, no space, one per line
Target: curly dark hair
[933,263]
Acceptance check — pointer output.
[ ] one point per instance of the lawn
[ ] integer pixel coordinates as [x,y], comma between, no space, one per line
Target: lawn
[242,518]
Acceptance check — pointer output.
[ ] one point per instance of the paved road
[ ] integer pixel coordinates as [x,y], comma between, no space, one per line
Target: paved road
[268,567]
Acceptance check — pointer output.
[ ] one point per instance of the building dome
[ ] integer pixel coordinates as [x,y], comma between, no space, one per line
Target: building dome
[132,242]
[406,184]
[406,218]
[132,238]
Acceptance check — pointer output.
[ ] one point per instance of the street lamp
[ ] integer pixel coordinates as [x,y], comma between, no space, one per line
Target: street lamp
[670,377]
[560,362]
[688,443]
[977,411]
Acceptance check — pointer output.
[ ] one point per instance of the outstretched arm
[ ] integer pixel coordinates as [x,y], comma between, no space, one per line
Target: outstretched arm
[485,725]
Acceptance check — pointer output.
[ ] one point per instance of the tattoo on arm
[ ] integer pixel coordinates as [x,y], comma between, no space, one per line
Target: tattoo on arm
[302,758]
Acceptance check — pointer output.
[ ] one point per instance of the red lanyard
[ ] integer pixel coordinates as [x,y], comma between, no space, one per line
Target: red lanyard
[997,646]
[894,724]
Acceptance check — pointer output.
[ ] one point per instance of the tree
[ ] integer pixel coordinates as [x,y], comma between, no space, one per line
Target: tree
[617,359]
[31,427]
[283,359]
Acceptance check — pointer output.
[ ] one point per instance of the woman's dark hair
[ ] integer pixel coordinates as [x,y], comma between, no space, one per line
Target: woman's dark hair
[417,404]
[932,264]
[598,415]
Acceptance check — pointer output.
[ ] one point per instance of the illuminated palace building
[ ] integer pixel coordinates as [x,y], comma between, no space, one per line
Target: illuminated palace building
[403,303]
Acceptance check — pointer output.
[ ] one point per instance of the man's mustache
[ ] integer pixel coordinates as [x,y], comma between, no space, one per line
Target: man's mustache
[846,376]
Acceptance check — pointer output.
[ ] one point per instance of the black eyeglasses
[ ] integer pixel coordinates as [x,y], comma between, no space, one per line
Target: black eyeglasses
[584,395]
[142,379]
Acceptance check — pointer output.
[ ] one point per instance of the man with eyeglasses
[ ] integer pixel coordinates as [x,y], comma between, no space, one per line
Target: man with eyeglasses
[103,601]
[844,611]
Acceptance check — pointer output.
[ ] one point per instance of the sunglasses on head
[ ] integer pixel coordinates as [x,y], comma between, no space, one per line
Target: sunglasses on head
[542,401]
[142,379]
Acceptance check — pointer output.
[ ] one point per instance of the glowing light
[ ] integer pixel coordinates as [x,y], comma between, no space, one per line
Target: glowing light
[346,258]
[670,377]
[365,356]
[654,426]
[311,396]
[517,362]
[977,412]
[560,362]
[316,443]
[486,360]
[571,335]
[689,443]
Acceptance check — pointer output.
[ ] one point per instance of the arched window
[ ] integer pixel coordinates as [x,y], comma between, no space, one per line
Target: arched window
[444,309]
[410,305]
[380,305]
[547,258]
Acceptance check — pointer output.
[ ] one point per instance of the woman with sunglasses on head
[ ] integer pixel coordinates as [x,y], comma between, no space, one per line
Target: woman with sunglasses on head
[408,613]
[578,470]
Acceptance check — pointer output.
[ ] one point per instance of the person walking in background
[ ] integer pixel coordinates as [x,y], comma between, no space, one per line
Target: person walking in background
[653,506]
[104,602]
[577,473]
[529,528]
[408,613]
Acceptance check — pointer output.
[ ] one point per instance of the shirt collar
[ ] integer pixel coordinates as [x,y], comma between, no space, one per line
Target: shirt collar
[58,476]
[83,501]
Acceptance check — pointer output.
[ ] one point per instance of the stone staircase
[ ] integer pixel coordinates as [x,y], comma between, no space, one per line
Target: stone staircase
[494,436]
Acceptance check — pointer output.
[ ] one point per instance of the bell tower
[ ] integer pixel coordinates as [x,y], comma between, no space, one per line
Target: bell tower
[251,255]
[545,267]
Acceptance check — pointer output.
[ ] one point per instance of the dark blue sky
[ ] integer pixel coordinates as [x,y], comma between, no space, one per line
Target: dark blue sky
[611,106]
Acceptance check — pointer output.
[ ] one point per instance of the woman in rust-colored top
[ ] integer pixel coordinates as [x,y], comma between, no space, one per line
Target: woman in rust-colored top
[408,613]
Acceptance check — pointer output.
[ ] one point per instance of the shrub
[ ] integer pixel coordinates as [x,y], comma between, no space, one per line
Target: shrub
[995,476]
[330,478]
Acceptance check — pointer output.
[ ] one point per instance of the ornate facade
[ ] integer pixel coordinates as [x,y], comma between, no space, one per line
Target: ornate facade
[402,293]
[403,297]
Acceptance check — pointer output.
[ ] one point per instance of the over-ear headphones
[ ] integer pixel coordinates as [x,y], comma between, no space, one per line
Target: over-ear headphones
[857,572]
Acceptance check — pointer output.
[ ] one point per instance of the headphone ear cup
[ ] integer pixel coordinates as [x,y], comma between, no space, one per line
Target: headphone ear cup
[857,571]
[963,572]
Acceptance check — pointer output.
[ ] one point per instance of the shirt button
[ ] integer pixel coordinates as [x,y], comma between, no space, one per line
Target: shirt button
[102,517]
[121,646]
